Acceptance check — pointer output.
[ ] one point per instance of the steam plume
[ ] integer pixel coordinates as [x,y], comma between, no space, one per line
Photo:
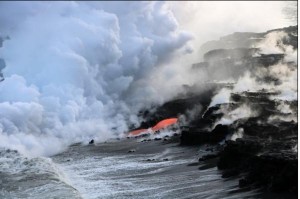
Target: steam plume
[81,70]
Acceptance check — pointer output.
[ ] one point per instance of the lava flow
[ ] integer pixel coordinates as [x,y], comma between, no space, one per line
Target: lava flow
[164,123]
[160,125]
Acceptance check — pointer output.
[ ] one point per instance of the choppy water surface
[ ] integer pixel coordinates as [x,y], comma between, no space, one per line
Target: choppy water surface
[24,177]
[154,170]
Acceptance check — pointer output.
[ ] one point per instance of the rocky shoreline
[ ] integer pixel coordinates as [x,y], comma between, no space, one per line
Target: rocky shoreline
[254,135]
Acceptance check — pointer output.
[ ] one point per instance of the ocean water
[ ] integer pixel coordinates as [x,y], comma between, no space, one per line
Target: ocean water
[154,169]
[25,177]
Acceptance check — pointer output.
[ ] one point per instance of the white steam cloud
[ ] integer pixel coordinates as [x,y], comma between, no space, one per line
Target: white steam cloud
[241,112]
[81,70]
[70,64]
[284,91]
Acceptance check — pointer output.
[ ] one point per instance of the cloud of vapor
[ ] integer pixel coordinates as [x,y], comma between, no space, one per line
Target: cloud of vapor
[238,134]
[284,91]
[209,20]
[243,111]
[70,66]
[82,70]
[222,97]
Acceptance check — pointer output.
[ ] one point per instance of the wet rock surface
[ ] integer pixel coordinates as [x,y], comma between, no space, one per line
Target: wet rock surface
[194,137]
[275,170]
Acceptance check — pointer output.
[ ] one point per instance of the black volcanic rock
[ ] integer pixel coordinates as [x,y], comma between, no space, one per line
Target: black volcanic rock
[177,107]
[267,59]
[208,157]
[278,172]
[268,164]
[92,142]
[265,157]
[230,54]
[238,152]
[278,130]
[219,133]
[196,137]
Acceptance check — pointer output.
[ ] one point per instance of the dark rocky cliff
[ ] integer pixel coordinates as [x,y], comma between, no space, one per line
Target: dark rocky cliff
[260,148]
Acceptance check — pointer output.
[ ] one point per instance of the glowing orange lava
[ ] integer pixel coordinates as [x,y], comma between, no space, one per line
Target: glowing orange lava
[160,125]
[164,123]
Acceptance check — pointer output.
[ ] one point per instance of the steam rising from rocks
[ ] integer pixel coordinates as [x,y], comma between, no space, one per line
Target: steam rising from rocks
[76,70]
[284,88]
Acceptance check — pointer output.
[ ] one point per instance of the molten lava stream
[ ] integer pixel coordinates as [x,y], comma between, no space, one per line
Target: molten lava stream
[160,125]
[164,123]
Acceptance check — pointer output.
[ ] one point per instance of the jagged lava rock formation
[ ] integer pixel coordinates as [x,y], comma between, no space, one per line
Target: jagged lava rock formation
[253,117]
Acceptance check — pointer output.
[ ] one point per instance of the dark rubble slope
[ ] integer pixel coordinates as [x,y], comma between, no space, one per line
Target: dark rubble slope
[266,155]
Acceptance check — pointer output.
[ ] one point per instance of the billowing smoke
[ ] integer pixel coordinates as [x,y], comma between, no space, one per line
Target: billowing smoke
[81,70]
[73,68]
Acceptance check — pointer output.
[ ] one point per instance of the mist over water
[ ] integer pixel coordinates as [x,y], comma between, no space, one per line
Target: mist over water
[76,70]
